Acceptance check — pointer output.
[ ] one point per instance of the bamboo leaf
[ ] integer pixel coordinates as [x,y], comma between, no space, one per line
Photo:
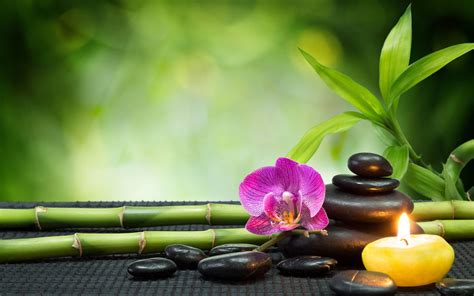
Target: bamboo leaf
[424,67]
[398,156]
[307,146]
[352,92]
[425,182]
[395,55]
[385,137]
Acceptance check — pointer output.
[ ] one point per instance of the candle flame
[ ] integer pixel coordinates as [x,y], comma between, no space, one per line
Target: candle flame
[403,227]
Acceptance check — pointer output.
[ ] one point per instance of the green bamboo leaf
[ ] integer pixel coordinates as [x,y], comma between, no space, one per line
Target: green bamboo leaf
[352,92]
[425,182]
[424,67]
[307,146]
[384,135]
[395,55]
[398,156]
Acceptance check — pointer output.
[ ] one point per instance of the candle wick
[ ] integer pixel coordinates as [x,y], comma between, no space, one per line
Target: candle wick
[404,240]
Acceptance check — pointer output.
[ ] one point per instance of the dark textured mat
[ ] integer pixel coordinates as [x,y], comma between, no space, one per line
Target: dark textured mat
[108,275]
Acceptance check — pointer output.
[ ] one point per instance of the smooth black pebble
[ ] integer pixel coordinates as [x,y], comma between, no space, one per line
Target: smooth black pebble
[362,282]
[455,287]
[364,186]
[186,257]
[345,206]
[236,266]
[152,268]
[231,248]
[369,165]
[307,266]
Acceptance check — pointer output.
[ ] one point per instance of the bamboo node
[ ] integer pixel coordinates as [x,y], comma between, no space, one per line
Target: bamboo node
[77,244]
[120,215]
[38,210]
[208,214]
[141,243]
[441,228]
[453,209]
[213,242]
[456,159]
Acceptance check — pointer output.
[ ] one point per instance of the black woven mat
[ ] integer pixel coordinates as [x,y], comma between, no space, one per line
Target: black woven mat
[108,275]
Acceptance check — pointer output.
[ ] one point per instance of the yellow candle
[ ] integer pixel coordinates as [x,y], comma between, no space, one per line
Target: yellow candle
[410,260]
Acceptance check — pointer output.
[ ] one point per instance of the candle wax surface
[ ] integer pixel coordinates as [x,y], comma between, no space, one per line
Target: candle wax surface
[425,260]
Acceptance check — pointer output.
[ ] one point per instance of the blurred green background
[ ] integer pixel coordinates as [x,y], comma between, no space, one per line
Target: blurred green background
[179,100]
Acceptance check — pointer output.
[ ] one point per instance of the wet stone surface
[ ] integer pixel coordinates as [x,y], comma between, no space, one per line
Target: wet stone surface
[186,257]
[362,282]
[378,208]
[364,186]
[231,248]
[152,268]
[306,266]
[236,266]
[455,287]
[369,165]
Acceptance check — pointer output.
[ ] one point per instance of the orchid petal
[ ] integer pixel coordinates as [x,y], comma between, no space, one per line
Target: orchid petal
[288,174]
[312,188]
[287,227]
[319,221]
[255,186]
[261,225]
[269,207]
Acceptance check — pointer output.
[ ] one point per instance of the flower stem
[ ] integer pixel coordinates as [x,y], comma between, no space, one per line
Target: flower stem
[272,241]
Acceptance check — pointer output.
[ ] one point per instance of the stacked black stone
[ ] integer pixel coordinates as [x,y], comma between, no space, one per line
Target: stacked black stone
[362,208]
[369,196]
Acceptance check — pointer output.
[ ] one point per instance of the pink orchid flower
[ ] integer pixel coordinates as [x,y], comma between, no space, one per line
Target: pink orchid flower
[283,197]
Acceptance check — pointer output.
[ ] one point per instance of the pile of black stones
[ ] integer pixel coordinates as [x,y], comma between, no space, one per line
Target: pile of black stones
[362,208]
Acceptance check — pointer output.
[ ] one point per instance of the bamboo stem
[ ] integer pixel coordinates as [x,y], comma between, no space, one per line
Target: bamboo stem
[449,229]
[443,210]
[126,217]
[212,214]
[94,244]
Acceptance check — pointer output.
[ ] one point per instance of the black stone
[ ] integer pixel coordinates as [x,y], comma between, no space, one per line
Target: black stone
[344,206]
[365,186]
[152,268]
[369,165]
[455,287]
[362,282]
[307,266]
[186,257]
[344,242]
[276,257]
[236,266]
[231,248]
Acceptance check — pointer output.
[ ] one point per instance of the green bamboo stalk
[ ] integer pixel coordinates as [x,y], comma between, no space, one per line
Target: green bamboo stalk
[126,217]
[212,214]
[449,229]
[95,244]
[459,158]
[443,210]
[145,242]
